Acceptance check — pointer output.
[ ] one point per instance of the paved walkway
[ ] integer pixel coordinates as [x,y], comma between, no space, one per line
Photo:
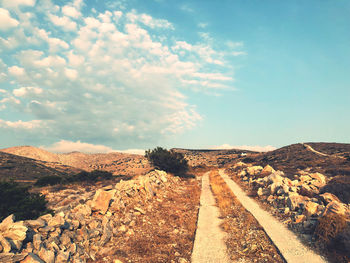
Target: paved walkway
[209,245]
[286,241]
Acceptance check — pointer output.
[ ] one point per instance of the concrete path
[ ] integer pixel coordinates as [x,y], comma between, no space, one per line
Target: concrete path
[286,241]
[209,245]
[308,147]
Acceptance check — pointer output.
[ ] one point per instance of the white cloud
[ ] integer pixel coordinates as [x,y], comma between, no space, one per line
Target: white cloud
[71,11]
[6,21]
[238,53]
[71,73]
[27,125]
[256,148]
[16,71]
[149,21]
[24,91]
[63,22]
[15,3]
[75,60]
[65,146]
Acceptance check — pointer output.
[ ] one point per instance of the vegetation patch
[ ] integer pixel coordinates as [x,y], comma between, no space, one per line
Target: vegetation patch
[17,200]
[169,161]
[339,186]
[94,176]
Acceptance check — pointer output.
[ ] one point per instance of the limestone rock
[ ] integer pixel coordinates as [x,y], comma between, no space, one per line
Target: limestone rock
[306,190]
[35,223]
[102,200]
[6,246]
[4,225]
[326,198]
[310,208]
[294,200]
[16,231]
[254,170]
[276,177]
[319,177]
[47,255]
[266,171]
[32,258]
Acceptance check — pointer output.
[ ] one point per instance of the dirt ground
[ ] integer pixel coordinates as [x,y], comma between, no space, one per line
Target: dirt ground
[246,239]
[164,232]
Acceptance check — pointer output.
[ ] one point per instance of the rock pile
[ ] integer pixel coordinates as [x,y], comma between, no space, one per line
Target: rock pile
[81,230]
[299,198]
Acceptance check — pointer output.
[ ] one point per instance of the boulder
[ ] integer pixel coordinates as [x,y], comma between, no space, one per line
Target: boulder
[310,208]
[326,198]
[6,246]
[32,258]
[35,223]
[304,178]
[16,231]
[47,255]
[294,200]
[240,165]
[4,225]
[254,170]
[274,187]
[276,177]
[266,171]
[319,177]
[306,190]
[102,200]
[299,219]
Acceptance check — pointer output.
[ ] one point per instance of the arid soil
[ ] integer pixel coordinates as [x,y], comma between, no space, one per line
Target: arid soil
[246,241]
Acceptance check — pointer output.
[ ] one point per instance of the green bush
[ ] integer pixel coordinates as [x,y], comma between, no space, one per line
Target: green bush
[15,199]
[48,180]
[169,161]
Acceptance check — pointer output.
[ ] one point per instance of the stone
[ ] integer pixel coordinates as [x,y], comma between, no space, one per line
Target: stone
[122,228]
[46,217]
[32,258]
[310,209]
[6,246]
[62,256]
[335,208]
[140,210]
[306,190]
[319,177]
[304,178]
[266,171]
[47,255]
[276,177]
[254,170]
[326,198]
[102,200]
[242,173]
[182,260]
[35,223]
[16,231]
[82,209]
[299,219]
[294,200]
[56,221]
[4,225]
[10,257]
[240,165]
[274,187]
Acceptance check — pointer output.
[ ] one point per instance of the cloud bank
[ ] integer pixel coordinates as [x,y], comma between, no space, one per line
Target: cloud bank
[112,77]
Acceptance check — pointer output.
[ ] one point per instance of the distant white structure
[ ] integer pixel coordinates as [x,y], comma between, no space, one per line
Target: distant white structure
[243,154]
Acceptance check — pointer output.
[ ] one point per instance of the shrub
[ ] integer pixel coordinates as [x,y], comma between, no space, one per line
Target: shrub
[94,176]
[16,199]
[48,180]
[169,161]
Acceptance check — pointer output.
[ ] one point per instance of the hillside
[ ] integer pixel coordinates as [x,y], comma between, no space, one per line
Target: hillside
[21,168]
[116,163]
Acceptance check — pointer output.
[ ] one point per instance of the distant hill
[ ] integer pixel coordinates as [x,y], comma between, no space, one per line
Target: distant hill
[116,163]
[296,157]
[13,167]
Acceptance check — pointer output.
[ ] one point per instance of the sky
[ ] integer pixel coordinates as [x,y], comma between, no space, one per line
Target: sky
[98,76]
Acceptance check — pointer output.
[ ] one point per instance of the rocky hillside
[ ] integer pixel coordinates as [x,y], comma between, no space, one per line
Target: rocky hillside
[304,203]
[296,157]
[148,219]
[116,163]
[18,168]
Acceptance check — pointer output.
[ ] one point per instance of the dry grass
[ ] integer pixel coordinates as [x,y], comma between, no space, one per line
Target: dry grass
[246,238]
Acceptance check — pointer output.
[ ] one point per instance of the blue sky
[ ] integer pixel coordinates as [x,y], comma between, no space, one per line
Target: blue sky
[117,75]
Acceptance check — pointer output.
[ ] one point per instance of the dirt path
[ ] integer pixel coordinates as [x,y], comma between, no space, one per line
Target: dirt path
[209,245]
[308,147]
[288,244]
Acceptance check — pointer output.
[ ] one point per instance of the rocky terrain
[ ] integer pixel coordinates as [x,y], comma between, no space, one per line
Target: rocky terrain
[148,219]
[116,163]
[302,203]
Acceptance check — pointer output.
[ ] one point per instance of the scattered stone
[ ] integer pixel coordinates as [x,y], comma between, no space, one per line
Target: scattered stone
[335,207]
[266,171]
[328,197]
[299,219]
[102,200]
[32,258]
[6,246]
[47,255]
[310,209]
